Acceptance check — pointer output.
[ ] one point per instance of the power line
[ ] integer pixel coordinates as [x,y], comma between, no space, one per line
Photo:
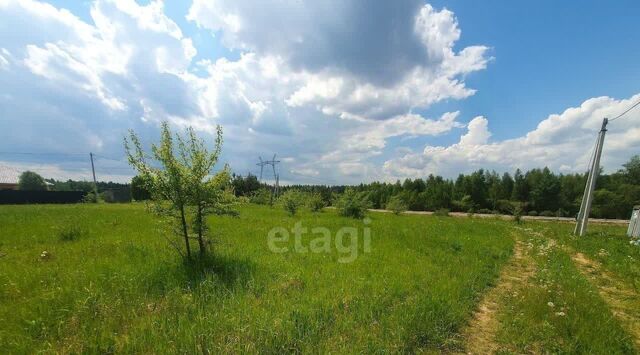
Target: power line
[50,154]
[622,114]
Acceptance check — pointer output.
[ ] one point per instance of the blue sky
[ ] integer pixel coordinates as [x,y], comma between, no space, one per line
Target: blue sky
[343,91]
[549,55]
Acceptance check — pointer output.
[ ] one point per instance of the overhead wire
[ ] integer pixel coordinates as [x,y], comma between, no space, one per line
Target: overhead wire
[625,112]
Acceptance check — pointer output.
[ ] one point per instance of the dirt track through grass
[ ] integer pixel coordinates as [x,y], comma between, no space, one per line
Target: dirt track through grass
[480,334]
[623,301]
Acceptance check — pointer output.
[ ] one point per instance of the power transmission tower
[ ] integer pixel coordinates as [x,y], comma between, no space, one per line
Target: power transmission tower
[273,162]
[261,164]
[587,198]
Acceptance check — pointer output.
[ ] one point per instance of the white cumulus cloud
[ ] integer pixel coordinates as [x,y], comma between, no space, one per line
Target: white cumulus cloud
[563,142]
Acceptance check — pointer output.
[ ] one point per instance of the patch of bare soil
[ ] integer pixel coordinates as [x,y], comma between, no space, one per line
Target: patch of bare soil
[623,301]
[480,333]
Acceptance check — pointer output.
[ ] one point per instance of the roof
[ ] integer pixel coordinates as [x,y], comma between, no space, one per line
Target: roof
[9,175]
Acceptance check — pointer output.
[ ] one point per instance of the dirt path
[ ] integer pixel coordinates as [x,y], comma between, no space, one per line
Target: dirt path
[480,333]
[623,301]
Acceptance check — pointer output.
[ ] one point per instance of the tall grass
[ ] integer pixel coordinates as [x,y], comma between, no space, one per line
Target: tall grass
[121,288]
[558,310]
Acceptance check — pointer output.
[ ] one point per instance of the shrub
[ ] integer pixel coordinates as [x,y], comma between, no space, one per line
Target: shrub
[90,197]
[396,205]
[547,214]
[242,200]
[353,204]
[442,212]
[261,197]
[315,202]
[70,233]
[506,206]
[291,201]
[532,213]
[484,211]
[517,214]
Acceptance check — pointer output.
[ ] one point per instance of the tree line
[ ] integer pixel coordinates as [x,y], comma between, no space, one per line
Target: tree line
[533,192]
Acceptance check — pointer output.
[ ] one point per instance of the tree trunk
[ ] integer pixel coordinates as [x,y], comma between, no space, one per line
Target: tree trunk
[185,232]
[203,247]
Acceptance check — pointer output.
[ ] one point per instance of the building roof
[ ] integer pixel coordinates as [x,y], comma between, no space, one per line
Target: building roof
[9,175]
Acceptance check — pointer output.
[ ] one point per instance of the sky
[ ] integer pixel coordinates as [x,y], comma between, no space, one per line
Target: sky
[342,91]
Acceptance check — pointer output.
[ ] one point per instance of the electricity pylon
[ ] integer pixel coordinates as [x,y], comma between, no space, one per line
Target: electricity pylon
[587,198]
[276,177]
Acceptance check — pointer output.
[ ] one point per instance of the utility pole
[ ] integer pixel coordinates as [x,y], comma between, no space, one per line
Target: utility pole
[95,183]
[587,198]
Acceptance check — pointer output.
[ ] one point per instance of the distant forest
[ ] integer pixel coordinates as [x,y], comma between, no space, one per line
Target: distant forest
[535,192]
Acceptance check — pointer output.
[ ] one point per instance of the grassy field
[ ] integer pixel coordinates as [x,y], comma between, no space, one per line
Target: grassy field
[101,278]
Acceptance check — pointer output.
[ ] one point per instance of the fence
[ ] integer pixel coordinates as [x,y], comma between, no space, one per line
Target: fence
[11,197]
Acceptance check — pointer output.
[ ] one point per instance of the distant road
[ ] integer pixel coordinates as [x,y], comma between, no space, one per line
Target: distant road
[509,217]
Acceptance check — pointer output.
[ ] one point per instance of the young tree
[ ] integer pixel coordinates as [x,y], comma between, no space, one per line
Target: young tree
[315,202]
[291,201]
[396,205]
[31,181]
[353,204]
[207,194]
[182,188]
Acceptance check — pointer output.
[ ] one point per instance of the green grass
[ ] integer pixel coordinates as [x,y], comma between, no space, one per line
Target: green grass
[116,286]
[558,310]
[606,244]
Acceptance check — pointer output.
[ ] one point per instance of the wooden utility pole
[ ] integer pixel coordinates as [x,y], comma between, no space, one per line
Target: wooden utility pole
[95,183]
[587,198]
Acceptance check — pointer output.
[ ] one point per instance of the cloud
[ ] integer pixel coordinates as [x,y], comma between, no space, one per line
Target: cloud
[352,59]
[329,85]
[75,86]
[562,142]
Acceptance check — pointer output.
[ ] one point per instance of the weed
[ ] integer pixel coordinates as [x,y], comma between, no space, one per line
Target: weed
[69,233]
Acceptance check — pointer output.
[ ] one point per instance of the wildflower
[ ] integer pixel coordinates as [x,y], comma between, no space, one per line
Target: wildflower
[550,304]
[560,314]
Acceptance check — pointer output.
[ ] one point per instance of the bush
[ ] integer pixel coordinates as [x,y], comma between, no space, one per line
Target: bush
[506,206]
[353,204]
[442,212]
[70,233]
[532,213]
[547,214]
[291,201]
[315,202]
[517,214]
[91,197]
[396,205]
[261,197]
[485,211]
[243,200]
